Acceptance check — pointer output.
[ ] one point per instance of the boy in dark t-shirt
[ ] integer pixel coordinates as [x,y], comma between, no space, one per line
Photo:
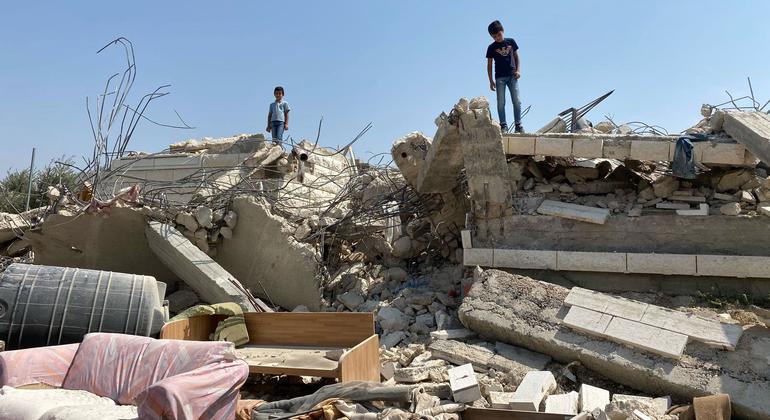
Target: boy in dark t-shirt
[504,52]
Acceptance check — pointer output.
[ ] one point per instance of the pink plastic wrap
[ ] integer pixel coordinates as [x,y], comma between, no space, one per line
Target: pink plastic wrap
[122,366]
[209,392]
[41,365]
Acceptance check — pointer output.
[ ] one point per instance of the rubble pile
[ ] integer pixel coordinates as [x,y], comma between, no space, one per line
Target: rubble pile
[334,269]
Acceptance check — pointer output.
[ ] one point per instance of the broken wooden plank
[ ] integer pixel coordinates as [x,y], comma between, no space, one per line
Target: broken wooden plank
[574,212]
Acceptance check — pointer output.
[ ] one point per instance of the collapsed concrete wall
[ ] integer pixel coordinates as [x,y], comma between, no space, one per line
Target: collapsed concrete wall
[112,241]
[264,256]
[525,312]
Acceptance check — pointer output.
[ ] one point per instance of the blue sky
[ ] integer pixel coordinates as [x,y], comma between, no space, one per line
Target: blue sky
[396,64]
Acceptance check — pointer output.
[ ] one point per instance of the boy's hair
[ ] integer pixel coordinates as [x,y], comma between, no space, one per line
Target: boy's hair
[279,88]
[495,27]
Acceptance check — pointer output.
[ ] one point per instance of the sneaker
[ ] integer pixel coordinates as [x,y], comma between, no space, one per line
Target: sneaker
[503,128]
[519,128]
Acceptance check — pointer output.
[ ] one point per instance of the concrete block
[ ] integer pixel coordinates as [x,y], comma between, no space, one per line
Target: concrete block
[724,197]
[653,339]
[519,146]
[465,387]
[672,206]
[670,264]
[687,198]
[587,321]
[703,210]
[592,397]
[562,403]
[574,212]
[478,256]
[649,150]
[612,262]
[734,266]
[173,162]
[752,129]
[617,149]
[553,146]
[604,303]
[531,359]
[207,278]
[522,258]
[459,353]
[501,400]
[764,208]
[698,329]
[532,389]
[587,147]
[454,334]
[724,153]
[466,239]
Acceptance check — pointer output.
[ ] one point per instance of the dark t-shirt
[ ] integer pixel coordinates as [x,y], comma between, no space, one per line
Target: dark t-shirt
[502,53]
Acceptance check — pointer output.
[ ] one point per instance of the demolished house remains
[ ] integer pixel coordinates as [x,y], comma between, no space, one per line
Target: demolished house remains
[567,273]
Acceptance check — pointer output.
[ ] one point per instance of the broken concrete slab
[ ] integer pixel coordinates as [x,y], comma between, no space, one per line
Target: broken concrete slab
[604,303]
[528,358]
[752,129]
[501,400]
[266,258]
[207,278]
[524,312]
[443,160]
[454,334]
[672,206]
[703,210]
[653,339]
[574,211]
[531,391]
[459,353]
[709,332]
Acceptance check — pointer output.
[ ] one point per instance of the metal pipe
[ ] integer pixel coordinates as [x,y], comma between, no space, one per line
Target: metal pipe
[29,184]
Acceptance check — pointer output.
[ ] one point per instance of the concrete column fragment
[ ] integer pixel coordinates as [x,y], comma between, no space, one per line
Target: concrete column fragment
[752,129]
[207,278]
[574,212]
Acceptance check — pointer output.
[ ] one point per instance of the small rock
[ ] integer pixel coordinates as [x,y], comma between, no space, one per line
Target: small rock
[544,188]
[730,209]
[231,219]
[665,186]
[201,234]
[187,220]
[351,299]
[181,300]
[391,319]
[392,339]
[204,216]
[402,247]
[396,273]
[226,232]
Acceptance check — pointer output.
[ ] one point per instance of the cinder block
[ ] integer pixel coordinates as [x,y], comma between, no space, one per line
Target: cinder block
[703,210]
[592,397]
[532,389]
[523,258]
[587,147]
[653,339]
[649,150]
[466,239]
[733,266]
[465,387]
[684,264]
[520,145]
[562,403]
[587,321]
[724,153]
[610,262]
[617,149]
[553,146]
[500,400]
[478,256]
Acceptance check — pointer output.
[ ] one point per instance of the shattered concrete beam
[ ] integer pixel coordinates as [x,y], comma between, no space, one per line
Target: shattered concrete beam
[443,161]
[752,129]
[207,278]
[574,212]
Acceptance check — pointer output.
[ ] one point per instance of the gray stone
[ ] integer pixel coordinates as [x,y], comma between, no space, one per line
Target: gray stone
[231,219]
[732,181]
[391,319]
[730,209]
[752,129]
[459,353]
[187,220]
[351,300]
[665,186]
[528,358]
[181,300]
[402,247]
[392,339]
[396,274]
[204,216]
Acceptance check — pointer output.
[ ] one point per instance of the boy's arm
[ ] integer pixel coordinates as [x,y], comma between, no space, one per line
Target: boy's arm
[516,62]
[489,74]
[286,119]
[269,119]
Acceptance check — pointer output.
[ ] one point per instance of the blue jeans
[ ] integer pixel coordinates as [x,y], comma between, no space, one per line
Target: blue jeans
[512,84]
[277,130]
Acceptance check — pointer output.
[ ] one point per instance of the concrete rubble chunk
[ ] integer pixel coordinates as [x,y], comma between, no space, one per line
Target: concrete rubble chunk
[392,339]
[592,397]
[231,219]
[187,220]
[562,403]
[531,391]
[528,358]
[730,209]
[665,186]
[207,278]
[764,208]
[703,210]
[181,300]
[465,387]
[391,319]
[454,334]
[444,159]
[459,353]
[414,374]
[521,311]
[574,212]
[501,400]
[752,129]
[204,216]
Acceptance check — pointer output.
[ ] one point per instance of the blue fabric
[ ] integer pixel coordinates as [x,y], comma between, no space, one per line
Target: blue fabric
[277,110]
[501,83]
[683,165]
[502,53]
[277,130]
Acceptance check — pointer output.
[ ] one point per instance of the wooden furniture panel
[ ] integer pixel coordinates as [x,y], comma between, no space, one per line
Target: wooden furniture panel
[362,362]
[309,328]
[196,328]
